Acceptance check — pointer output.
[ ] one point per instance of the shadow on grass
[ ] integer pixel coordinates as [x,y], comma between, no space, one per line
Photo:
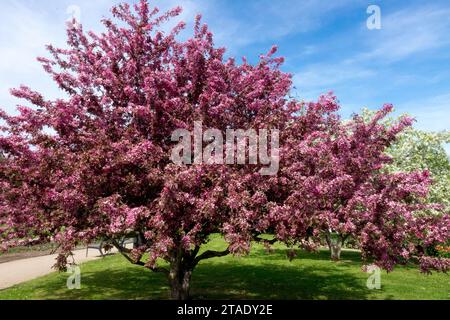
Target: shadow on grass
[264,282]
[258,276]
[274,277]
[127,283]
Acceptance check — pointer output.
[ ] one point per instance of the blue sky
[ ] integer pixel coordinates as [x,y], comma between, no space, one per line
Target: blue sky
[327,46]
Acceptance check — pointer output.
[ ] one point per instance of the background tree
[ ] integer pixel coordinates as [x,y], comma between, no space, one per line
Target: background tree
[421,150]
[416,149]
[97,164]
[340,188]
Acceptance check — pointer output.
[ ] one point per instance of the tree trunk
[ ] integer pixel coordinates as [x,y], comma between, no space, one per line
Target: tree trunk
[179,276]
[182,264]
[180,284]
[336,251]
[335,246]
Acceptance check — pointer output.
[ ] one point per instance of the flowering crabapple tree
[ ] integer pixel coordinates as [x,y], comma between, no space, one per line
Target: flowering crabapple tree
[350,156]
[337,188]
[97,164]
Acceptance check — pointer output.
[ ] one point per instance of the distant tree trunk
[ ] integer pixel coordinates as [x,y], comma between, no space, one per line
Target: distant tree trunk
[335,245]
[336,251]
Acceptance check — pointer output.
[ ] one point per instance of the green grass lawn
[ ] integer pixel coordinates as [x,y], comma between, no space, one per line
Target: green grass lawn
[260,275]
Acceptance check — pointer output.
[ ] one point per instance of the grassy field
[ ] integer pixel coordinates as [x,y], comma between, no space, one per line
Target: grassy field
[260,275]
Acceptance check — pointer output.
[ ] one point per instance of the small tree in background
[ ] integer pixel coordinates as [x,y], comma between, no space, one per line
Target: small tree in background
[104,168]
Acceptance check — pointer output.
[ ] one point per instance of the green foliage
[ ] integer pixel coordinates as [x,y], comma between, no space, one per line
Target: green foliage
[443,250]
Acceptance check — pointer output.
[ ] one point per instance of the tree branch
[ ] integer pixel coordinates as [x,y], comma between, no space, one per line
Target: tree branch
[195,251]
[160,269]
[120,248]
[258,239]
[210,254]
[343,238]
[124,252]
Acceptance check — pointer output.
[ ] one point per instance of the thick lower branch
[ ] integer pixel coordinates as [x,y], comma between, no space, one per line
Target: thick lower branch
[161,270]
[124,252]
[210,254]
[258,239]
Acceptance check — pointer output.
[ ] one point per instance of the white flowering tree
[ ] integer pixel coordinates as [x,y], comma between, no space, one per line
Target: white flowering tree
[422,150]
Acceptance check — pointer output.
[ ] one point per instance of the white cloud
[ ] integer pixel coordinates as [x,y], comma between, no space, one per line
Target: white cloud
[404,33]
[407,32]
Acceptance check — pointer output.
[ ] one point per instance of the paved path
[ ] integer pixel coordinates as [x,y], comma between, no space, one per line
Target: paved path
[15,272]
